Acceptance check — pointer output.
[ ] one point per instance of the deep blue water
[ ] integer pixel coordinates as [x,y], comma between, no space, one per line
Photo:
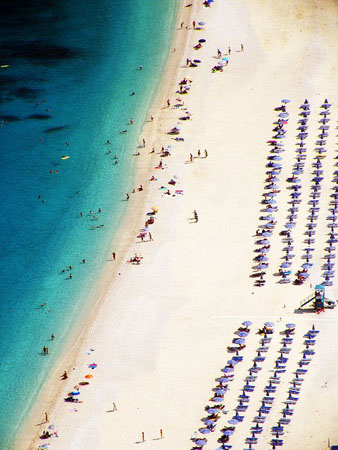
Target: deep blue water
[72,67]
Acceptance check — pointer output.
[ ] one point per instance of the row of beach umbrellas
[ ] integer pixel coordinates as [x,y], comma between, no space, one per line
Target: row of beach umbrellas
[272,385]
[315,194]
[278,430]
[244,396]
[295,188]
[271,189]
[222,386]
[328,267]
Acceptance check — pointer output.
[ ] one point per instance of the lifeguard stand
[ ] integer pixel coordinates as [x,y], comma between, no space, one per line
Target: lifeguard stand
[319,297]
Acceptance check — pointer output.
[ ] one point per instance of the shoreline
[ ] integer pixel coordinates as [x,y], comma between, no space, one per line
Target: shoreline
[162,346]
[123,240]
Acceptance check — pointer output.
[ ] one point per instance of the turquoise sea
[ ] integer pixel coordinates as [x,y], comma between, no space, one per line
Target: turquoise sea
[72,67]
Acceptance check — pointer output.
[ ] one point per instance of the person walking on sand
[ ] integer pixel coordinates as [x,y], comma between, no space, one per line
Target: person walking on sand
[150,237]
[242,48]
[182,24]
[168,103]
[205,154]
[161,434]
[229,50]
[114,407]
[193,24]
[46,418]
[127,196]
[143,440]
[195,216]
[114,256]
[143,142]
[191,158]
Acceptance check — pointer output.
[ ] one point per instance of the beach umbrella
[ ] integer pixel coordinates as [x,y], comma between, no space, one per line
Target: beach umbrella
[233,421]
[201,41]
[267,233]
[242,334]
[283,114]
[285,100]
[212,411]
[220,391]
[284,265]
[201,442]
[88,376]
[197,61]
[225,58]
[228,432]
[290,325]
[239,341]
[74,393]
[262,266]
[233,362]
[247,323]
[227,369]
[204,430]
[92,366]
[201,23]
[269,324]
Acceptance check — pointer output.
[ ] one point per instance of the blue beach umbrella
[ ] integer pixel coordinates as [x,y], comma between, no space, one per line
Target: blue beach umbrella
[290,325]
[212,411]
[227,369]
[204,430]
[220,391]
[284,265]
[285,100]
[283,114]
[262,266]
[242,334]
[201,442]
[269,324]
[233,421]
[228,432]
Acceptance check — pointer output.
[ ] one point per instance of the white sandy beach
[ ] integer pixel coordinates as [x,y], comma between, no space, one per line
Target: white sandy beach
[161,329]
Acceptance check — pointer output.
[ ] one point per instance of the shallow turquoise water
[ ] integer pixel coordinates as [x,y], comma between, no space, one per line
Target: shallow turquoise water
[72,68]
